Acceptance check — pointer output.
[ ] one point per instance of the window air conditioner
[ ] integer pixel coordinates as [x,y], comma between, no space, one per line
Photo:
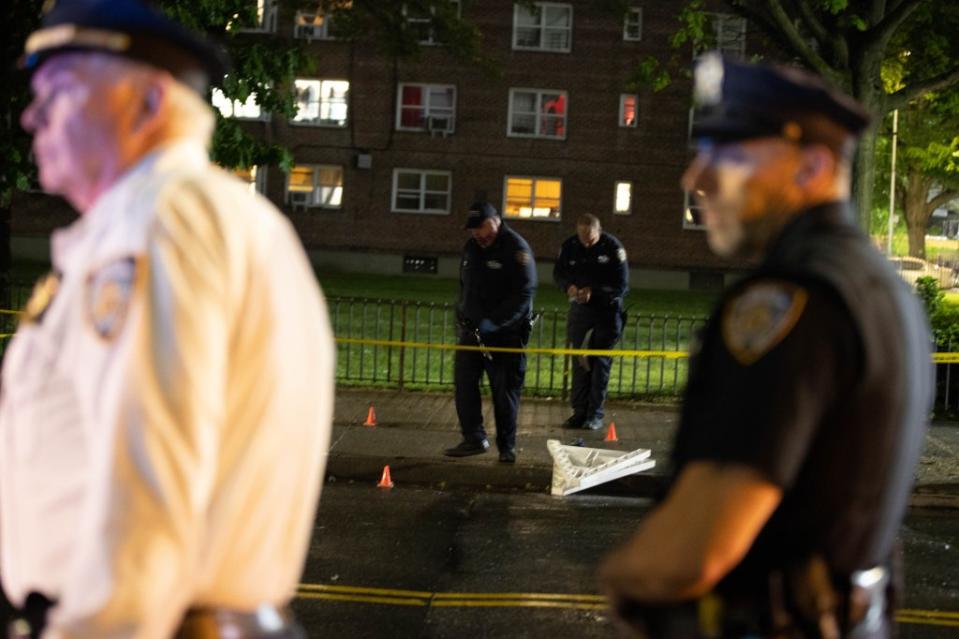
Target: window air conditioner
[439,125]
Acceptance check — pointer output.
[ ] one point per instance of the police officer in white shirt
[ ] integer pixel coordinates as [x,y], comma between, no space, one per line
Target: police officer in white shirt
[167,400]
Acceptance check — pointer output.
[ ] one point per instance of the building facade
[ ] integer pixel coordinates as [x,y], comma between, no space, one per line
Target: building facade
[388,157]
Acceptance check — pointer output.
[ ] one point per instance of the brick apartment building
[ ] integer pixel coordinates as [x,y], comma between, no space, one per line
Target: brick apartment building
[388,160]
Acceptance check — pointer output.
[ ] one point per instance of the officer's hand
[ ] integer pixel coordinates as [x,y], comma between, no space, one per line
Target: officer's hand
[486,326]
[572,292]
[584,294]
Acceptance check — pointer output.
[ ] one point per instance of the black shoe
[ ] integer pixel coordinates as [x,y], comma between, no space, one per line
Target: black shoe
[594,424]
[508,456]
[576,421]
[466,448]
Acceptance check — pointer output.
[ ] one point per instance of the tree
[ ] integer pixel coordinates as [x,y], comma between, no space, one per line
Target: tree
[848,42]
[927,168]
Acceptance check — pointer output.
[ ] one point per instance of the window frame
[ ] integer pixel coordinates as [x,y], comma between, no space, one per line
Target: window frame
[423,173]
[633,11]
[315,203]
[330,124]
[431,41]
[426,86]
[541,6]
[259,183]
[324,28]
[535,179]
[622,110]
[539,105]
[629,208]
[268,22]
[724,19]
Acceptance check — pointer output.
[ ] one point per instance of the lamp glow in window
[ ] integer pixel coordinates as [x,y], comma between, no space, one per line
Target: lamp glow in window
[533,198]
[628,110]
[315,186]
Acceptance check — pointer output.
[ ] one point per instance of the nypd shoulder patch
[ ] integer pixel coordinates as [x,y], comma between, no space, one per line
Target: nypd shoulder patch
[760,317]
[621,255]
[109,291]
[43,293]
[522,258]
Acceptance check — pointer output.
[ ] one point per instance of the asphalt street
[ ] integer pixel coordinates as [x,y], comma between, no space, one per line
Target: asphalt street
[422,563]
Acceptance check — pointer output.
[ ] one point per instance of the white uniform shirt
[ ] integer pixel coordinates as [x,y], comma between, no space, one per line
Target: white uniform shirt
[165,422]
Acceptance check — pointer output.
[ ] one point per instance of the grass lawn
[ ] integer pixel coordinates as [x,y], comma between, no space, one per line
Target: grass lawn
[430,289]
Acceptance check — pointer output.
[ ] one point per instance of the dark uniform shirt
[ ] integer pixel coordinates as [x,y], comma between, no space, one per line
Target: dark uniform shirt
[602,267]
[497,283]
[816,372]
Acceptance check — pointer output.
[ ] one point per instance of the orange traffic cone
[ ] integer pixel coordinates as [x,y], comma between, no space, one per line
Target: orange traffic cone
[611,433]
[385,481]
[370,417]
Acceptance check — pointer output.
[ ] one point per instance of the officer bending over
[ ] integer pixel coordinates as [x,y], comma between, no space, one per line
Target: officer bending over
[497,285]
[807,402]
[592,270]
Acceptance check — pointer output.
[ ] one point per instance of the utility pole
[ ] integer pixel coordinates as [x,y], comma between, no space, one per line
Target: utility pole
[892,182]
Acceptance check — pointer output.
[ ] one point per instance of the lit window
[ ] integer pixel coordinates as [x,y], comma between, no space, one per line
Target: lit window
[317,24]
[628,115]
[546,26]
[624,198]
[426,107]
[420,22]
[246,110]
[315,185]
[416,191]
[730,33]
[254,177]
[692,213]
[533,198]
[322,102]
[540,114]
[633,25]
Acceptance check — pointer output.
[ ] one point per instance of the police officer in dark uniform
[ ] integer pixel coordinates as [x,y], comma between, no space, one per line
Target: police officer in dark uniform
[807,402]
[497,285]
[592,270]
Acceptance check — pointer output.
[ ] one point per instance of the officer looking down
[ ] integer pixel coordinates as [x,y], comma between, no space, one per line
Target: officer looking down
[807,401]
[497,285]
[592,270]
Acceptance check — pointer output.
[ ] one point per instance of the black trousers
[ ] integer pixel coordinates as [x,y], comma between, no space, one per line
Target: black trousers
[506,372]
[588,394]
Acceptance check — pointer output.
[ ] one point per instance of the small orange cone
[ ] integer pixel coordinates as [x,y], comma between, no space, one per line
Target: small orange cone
[370,417]
[385,481]
[611,433]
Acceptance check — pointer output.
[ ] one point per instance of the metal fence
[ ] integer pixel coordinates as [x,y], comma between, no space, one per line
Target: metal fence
[546,374]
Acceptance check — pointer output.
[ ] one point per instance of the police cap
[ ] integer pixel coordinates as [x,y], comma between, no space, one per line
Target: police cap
[479,213]
[128,28]
[737,101]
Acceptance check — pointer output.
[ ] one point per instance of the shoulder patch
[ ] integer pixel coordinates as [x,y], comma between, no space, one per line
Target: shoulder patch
[107,296]
[40,299]
[757,319]
[621,255]
[522,258]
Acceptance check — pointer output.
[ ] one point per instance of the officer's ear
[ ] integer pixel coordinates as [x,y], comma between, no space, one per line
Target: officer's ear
[817,166]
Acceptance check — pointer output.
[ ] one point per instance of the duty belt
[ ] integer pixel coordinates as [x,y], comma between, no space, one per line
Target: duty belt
[266,622]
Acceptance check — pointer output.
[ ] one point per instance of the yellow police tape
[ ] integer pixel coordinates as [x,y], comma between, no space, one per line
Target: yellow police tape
[938,358]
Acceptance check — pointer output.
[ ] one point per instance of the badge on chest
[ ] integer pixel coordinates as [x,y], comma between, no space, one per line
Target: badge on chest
[109,291]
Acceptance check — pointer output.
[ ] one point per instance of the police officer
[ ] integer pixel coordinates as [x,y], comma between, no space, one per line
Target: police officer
[167,399]
[807,402]
[592,270]
[497,285]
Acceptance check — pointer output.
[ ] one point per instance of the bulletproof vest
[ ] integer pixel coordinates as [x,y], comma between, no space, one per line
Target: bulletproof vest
[856,480]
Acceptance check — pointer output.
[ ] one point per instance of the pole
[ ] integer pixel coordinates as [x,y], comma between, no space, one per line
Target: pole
[892,181]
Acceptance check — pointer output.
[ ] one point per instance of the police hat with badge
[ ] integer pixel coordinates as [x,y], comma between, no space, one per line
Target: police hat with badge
[480,212]
[128,28]
[735,101]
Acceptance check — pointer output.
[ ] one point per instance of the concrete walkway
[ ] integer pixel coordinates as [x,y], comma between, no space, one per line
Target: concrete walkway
[413,429]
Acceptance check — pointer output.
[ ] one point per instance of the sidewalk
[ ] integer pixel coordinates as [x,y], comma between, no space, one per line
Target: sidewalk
[413,429]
